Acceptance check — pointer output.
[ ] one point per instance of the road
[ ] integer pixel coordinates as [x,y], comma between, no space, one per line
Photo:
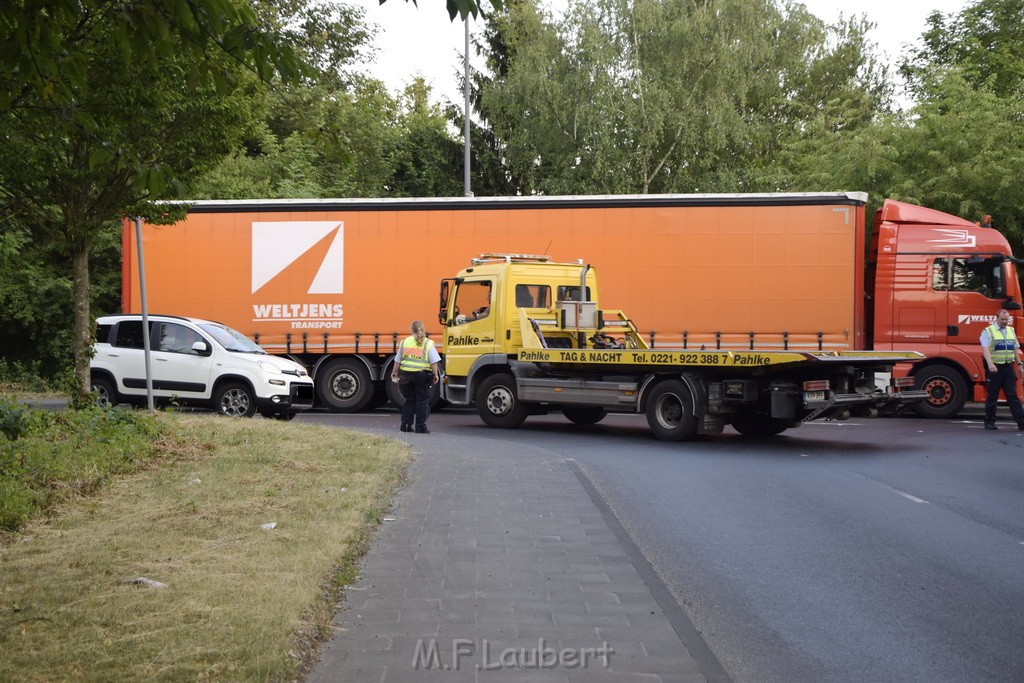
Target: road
[877,550]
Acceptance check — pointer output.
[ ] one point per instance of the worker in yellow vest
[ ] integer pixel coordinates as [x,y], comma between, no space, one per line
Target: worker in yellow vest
[416,370]
[1000,348]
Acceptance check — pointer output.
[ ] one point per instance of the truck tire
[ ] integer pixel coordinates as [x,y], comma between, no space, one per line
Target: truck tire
[234,399]
[497,403]
[584,415]
[344,385]
[670,411]
[947,391]
[397,400]
[106,392]
[753,423]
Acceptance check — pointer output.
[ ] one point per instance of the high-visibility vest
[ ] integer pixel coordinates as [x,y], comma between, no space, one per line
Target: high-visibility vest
[1002,344]
[414,356]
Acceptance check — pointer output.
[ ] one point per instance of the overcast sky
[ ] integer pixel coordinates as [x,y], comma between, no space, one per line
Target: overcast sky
[423,42]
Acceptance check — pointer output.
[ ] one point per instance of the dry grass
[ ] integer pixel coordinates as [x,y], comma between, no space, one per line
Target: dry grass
[241,603]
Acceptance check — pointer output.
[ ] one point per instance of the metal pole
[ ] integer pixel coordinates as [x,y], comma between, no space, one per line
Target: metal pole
[145,315]
[465,134]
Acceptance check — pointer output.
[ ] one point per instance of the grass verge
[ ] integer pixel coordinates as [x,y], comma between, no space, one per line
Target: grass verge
[241,602]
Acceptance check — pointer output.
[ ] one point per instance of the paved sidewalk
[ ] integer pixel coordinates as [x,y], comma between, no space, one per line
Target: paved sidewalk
[501,567]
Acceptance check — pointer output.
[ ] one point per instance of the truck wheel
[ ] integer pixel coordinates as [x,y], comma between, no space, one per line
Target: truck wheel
[584,415]
[397,400]
[947,391]
[752,423]
[497,404]
[670,411]
[235,399]
[344,385]
[106,392]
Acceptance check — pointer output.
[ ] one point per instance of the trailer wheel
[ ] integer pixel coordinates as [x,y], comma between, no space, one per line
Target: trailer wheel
[670,411]
[497,404]
[344,385]
[584,415]
[947,392]
[752,423]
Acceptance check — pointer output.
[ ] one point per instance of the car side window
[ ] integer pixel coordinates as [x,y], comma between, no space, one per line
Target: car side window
[103,333]
[177,339]
[128,334]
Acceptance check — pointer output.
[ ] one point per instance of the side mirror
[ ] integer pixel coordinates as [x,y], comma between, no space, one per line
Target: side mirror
[1011,305]
[202,348]
[442,313]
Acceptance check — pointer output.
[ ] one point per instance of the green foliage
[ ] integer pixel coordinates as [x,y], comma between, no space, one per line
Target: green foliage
[641,96]
[47,456]
[305,148]
[47,52]
[464,8]
[985,42]
[960,149]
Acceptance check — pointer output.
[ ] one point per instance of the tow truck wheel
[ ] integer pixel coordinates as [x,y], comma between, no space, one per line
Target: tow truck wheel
[670,411]
[344,385]
[497,404]
[584,415]
[947,392]
[751,423]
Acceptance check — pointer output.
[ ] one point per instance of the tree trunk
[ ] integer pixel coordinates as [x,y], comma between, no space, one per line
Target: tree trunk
[82,339]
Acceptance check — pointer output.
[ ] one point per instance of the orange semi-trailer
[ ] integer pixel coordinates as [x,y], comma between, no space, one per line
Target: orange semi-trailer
[334,284]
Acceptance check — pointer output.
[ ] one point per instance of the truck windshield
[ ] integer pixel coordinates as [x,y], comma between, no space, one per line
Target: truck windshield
[232,340]
[984,276]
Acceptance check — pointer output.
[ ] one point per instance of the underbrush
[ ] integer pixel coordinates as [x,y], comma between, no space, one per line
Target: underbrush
[47,456]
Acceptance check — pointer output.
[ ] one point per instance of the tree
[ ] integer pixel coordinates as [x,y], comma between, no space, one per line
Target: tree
[115,118]
[464,8]
[427,161]
[46,46]
[985,41]
[637,96]
[959,148]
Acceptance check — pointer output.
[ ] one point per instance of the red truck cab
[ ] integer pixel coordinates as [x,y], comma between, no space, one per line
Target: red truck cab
[939,281]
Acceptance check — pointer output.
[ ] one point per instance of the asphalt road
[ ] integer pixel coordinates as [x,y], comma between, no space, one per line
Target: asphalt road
[877,550]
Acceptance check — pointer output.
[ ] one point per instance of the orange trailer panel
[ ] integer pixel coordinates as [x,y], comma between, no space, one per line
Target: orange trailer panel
[707,270]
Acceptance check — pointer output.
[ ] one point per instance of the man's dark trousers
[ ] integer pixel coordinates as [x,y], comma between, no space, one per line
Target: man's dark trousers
[1004,378]
[415,389]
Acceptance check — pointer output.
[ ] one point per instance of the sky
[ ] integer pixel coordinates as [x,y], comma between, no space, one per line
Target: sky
[422,41]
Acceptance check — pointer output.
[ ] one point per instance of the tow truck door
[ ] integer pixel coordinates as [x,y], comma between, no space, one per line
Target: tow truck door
[472,330]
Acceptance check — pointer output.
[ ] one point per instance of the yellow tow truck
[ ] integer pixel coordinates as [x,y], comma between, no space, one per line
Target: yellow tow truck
[524,335]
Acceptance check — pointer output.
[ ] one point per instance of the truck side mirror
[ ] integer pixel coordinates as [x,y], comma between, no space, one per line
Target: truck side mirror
[442,313]
[1011,305]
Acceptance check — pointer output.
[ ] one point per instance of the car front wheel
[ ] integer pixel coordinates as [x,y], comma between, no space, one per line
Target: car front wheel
[235,399]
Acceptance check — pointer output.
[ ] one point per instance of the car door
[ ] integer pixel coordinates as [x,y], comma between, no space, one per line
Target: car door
[126,356]
[179,369]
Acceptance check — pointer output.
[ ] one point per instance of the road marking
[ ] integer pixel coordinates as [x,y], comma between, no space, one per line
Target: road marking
[903,494]
[908,496]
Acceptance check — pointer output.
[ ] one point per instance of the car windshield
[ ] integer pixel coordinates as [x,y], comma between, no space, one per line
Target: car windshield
[232,340]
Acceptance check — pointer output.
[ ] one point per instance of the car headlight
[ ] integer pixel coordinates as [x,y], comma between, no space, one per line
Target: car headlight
[269,368]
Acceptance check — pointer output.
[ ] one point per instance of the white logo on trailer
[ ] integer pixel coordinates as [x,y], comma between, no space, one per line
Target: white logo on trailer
[277,245]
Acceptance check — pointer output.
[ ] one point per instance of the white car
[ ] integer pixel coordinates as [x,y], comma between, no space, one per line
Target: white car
[195,362]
